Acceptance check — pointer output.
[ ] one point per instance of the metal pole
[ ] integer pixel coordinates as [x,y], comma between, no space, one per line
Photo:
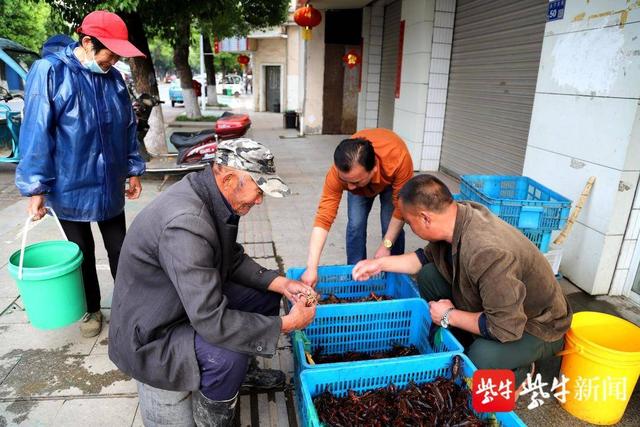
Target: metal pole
[304,85]
[203,98]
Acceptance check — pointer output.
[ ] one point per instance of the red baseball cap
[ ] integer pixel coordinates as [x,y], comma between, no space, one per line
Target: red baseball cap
[112,32]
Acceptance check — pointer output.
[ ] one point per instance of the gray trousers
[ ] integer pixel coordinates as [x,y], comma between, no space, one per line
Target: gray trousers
[164,408]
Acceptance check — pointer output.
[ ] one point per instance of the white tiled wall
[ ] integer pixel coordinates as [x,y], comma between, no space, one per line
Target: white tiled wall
[586,122]
[372,25]
[411,106]
[362,99]
[442,39]
[629,261]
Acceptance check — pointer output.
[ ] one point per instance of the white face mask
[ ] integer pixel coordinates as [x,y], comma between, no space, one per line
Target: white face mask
[94,67]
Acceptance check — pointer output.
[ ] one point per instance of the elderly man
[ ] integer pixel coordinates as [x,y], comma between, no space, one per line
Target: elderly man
[190,307]
[373,162]
[480,275]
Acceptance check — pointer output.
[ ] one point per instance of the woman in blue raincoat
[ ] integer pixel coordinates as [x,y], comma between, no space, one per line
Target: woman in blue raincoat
[78,145]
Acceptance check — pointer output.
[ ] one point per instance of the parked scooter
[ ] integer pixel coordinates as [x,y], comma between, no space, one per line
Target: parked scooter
[200,147]
[197,149]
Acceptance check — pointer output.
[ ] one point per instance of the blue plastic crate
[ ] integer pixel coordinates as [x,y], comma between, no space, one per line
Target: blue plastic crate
[518,200]
[378,374]
[542,239]
[337,280]
[370,327]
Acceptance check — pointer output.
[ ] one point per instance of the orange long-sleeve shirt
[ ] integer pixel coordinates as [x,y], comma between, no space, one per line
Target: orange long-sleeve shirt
[395,168]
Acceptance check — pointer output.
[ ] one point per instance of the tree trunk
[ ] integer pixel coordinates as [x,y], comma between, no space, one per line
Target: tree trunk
[144,77]
[212,95]
[181,61]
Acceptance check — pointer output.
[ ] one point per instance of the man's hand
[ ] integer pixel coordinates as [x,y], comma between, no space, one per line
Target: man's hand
[295,291]
[382,252]
[36,207]
[299,317]
[135,188]
[365,269]
[310,277]
[437,309]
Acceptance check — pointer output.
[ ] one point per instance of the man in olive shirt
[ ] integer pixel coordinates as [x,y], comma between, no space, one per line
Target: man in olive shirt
[482,276]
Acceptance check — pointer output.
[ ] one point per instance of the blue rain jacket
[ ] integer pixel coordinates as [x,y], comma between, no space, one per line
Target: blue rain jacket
[78,138]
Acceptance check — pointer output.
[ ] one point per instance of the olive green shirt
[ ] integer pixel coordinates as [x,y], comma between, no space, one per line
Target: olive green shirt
[498,271]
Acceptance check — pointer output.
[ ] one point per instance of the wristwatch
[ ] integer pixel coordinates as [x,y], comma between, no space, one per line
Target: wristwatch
[445,318]
[387,243]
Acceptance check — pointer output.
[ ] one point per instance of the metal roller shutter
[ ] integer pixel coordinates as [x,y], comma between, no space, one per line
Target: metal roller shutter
[390,45]
[492,80]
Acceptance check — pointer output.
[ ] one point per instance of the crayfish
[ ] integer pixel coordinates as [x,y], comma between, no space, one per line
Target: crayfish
[310,298]
[396,350]
[440,402]
[333,299]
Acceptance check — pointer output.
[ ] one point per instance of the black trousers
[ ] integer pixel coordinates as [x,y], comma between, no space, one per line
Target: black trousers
[113,231]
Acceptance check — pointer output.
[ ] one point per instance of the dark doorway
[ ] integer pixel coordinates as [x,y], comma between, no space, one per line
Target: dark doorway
[272,88]
[341,84]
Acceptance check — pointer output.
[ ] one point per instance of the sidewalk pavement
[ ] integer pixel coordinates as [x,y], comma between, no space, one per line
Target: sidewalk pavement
[59,378]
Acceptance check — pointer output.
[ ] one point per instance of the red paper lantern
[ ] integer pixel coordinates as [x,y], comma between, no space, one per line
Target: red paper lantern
[307,17]
[243,59]
[351,58]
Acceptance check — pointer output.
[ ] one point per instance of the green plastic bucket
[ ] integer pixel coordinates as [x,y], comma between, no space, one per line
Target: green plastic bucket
[51,284]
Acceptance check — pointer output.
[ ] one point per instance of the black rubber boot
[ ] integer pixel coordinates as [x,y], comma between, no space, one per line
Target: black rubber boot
[213,413]
[262,379]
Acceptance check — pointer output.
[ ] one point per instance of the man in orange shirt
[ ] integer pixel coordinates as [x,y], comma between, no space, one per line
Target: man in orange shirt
[372,162]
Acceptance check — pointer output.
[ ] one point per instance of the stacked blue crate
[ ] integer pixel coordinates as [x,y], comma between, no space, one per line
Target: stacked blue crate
[366,326]
[522,202]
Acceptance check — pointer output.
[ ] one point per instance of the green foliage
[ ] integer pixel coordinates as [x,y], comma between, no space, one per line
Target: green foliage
[223,18]
[226,62]
[72,11]
[262,14]
[26,22]
[162,56]
[165,19]
[240,17]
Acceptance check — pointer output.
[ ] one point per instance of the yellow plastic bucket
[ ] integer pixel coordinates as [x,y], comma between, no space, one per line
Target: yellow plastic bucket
[601,360]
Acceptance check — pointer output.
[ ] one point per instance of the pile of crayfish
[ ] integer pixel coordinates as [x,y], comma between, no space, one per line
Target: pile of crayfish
[438,403]
[333,299]
[441,402]
[396,350]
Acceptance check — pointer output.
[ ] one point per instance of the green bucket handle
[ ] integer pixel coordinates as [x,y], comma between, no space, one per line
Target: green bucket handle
[26,230]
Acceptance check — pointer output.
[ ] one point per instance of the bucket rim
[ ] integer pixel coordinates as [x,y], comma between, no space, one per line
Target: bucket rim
[37,273]
[619,355]
[16,254]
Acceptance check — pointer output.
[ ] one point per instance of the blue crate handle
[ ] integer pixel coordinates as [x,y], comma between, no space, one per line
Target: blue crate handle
[530,216]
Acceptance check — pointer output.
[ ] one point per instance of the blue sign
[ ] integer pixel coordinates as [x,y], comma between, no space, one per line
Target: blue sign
[555,10]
